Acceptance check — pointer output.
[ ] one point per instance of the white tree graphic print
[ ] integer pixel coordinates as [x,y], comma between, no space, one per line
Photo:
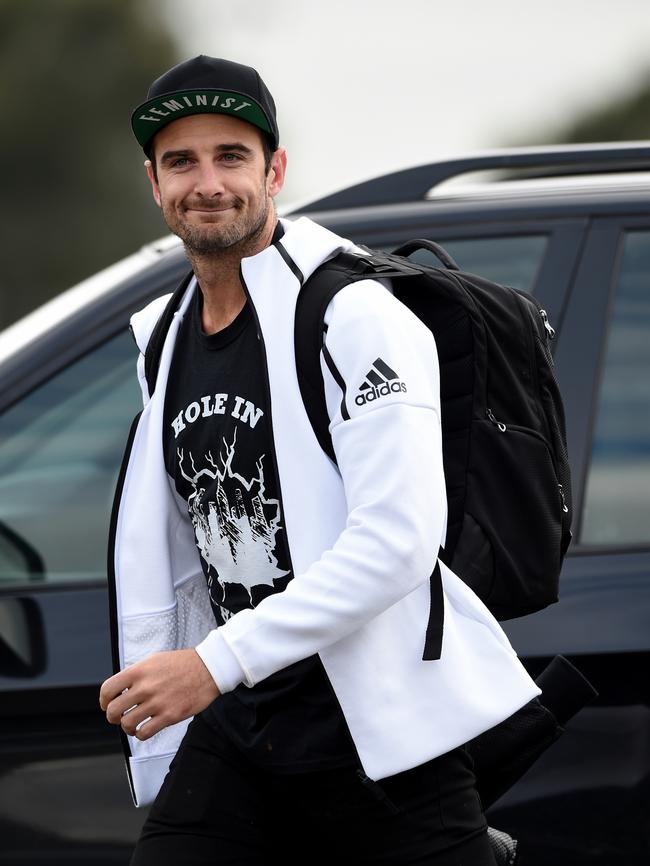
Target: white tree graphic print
[235,529]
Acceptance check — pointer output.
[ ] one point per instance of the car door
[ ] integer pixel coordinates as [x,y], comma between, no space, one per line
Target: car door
[63,788]
[585,801]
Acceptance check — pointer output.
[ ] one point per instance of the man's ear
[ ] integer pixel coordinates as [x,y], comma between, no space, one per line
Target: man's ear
[277,172]
[155,189]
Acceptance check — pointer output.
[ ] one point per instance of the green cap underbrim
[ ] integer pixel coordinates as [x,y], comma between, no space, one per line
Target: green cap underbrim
[154,114]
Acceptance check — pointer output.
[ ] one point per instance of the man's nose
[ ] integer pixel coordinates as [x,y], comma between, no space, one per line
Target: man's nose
[209,180]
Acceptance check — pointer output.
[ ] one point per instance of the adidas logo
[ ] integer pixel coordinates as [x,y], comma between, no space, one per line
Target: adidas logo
[380,381]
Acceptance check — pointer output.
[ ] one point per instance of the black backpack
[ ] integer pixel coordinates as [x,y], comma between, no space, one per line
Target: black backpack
[504,441]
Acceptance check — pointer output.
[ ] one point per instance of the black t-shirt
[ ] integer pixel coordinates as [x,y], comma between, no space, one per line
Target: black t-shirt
[217,447]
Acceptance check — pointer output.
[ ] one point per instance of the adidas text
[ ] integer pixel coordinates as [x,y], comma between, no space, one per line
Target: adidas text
[380,391]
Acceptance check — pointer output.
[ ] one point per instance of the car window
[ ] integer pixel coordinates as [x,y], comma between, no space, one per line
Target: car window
[60,452]
[617,501]
[513,260]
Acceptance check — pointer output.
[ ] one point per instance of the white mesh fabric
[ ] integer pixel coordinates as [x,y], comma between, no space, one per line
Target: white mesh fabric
[180,627]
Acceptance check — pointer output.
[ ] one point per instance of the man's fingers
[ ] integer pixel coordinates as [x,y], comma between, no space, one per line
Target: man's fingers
[113,687]
[130,720]
[105,695]
[149,727]
[157,692]
[124,701]
[121,705]
[143,722]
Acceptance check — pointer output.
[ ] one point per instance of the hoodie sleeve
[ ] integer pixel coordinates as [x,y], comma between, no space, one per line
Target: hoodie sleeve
[381,375]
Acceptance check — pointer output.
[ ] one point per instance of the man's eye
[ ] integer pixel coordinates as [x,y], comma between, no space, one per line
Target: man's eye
[231,157]
[180,162]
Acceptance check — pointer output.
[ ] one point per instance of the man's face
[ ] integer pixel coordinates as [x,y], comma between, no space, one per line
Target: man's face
[211,182]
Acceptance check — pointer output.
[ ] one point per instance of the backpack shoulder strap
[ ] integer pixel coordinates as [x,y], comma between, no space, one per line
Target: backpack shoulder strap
[313,300]
[157,339]
[315,296]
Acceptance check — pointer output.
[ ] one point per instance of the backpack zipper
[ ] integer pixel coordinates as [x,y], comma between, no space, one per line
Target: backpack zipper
[502,427]
[550,330]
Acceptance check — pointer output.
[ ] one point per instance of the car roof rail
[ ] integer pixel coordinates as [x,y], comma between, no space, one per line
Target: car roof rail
[413,184]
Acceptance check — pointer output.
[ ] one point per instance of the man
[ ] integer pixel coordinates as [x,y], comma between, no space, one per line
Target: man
[279,600]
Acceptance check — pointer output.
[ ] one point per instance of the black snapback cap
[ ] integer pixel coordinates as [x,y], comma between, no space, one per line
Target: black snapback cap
[206,85]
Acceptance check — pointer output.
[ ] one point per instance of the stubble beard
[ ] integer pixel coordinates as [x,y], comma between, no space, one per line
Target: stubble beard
[240,235]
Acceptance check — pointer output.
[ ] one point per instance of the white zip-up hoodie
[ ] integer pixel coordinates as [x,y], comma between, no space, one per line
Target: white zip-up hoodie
[363,538]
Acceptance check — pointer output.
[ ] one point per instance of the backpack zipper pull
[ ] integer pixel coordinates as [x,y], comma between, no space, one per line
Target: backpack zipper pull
[499,424]
[550,330]
[564,505]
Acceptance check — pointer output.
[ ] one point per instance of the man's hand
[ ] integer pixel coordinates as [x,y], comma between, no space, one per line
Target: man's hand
[164,688]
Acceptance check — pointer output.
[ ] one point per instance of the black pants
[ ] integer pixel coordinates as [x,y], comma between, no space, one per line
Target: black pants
[216,809]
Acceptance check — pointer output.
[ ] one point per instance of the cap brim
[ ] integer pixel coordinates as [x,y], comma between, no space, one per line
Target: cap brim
[154,114]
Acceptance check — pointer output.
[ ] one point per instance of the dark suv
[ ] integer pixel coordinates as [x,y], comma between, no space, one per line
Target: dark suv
[575,231]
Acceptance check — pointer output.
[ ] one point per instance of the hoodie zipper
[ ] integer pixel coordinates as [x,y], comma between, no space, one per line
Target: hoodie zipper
[372,786]
[112,584]
[369,783]
[267,394]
